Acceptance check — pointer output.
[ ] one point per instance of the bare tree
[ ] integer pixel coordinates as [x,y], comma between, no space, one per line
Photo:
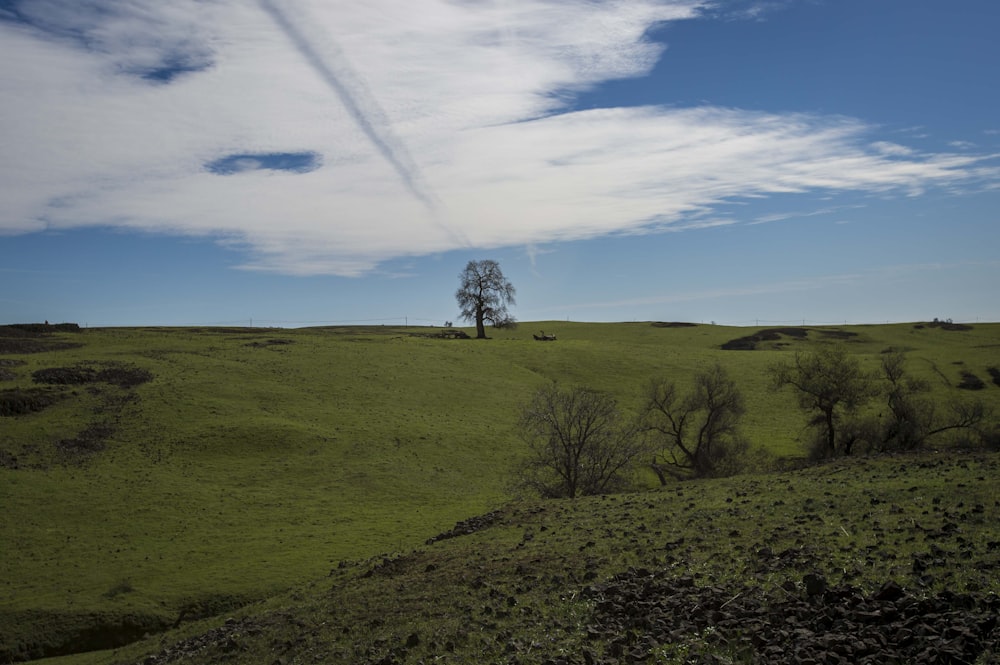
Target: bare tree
[578,442]
[696,435]
[910,417]
[831,384]
[483,296]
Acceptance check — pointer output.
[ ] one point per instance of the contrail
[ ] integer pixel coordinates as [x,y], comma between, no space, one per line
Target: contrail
[353,93]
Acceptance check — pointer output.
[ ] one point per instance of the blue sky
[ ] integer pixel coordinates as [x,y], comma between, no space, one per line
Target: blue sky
[322,161]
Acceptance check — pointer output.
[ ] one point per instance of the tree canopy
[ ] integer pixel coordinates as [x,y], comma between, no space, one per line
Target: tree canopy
[483,296]
[579,443]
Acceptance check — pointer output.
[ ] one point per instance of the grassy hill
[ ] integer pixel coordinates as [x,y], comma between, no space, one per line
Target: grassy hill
[175,474]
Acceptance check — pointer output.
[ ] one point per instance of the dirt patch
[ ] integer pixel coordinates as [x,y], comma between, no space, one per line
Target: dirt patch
[118,374]
[24,345]
[65,376]
[8,460]
[35,337]
[750,342]
[124,376]
[672,324]
[22,401]
[6,374]
[943,325]
[261,344]
[970,381]
[20,329]
[995,375]
[89,441]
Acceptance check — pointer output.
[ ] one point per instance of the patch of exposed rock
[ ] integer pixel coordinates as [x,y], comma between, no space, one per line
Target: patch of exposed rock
[639,614]
[469,526]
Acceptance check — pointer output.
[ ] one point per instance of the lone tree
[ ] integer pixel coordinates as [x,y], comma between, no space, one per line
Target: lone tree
[578,442]
[483,296]
[832,385]
[696,435]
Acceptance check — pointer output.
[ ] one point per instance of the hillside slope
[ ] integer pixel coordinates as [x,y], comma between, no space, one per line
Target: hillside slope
[152,477]
[894,559]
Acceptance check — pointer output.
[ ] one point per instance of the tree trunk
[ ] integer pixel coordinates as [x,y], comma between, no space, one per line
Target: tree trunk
[831,434]
[658,470]
[480,328]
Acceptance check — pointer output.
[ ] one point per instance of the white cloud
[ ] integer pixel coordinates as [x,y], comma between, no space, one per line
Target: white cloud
[437,125]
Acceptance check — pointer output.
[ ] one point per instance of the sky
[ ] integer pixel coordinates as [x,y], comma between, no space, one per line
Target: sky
[312,162]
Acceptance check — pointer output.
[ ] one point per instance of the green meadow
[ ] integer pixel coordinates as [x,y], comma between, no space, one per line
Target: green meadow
[253,461]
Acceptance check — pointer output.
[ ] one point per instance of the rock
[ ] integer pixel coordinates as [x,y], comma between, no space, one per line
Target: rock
[890,592]
[815,584]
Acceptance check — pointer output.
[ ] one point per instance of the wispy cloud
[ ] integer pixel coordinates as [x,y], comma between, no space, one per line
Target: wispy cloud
[784,216]
[412,129]
[321,52]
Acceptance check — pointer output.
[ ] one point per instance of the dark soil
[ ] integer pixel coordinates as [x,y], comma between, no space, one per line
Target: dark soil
[943,325]
[89,441]
[118,374]
[35,338]
[261,344]
[110,383]
[20,329]
[8,460]
[970,381]
[5,372]
[750,342]
[995,375]
[22,401]
[22,345]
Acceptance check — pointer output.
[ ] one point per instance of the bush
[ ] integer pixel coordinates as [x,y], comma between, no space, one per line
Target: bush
[578,443]
[697,435]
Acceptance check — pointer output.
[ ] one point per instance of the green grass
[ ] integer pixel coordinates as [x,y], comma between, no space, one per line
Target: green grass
[246,467]
[524,588]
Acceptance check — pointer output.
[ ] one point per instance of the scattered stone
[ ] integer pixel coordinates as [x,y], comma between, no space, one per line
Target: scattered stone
[639,612]
[469,526]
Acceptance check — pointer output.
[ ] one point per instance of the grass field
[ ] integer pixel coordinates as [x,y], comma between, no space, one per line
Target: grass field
[255,460]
